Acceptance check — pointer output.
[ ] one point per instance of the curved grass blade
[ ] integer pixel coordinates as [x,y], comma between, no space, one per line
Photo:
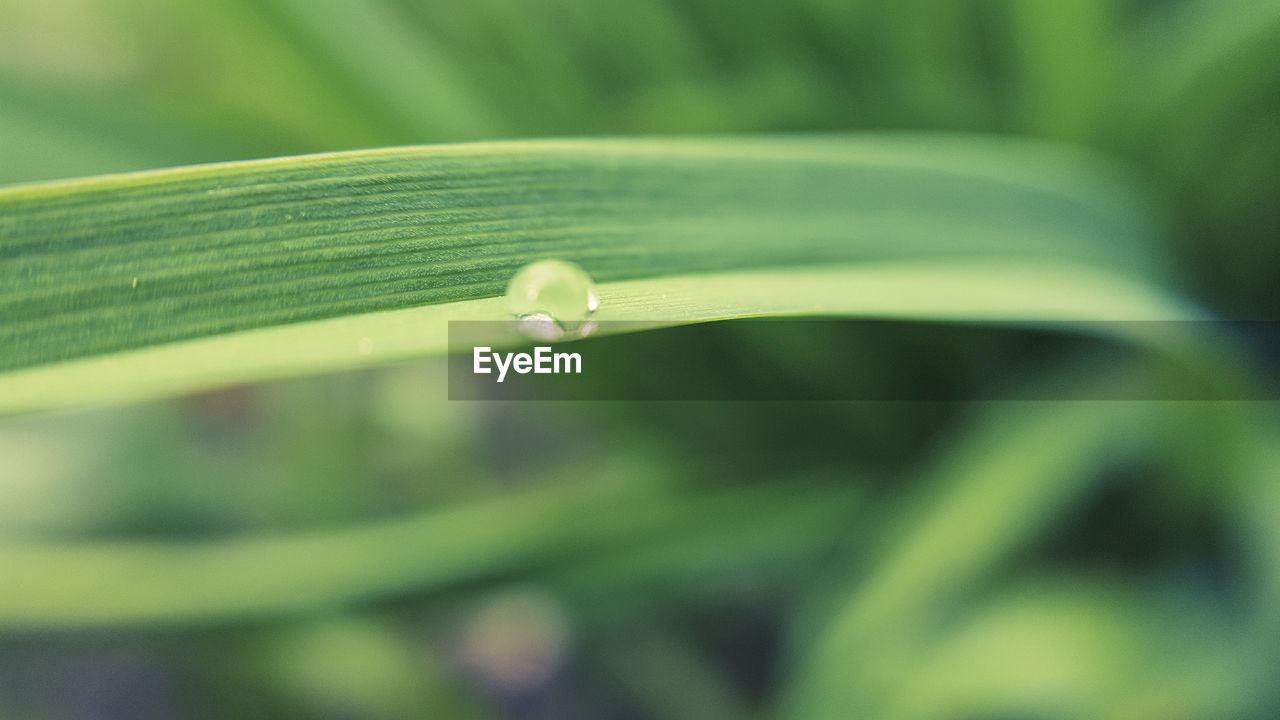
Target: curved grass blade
[1015,471]
[104,583]
[983,291]
[1210,62]
[108,267]
[1019,469]
[1077,648]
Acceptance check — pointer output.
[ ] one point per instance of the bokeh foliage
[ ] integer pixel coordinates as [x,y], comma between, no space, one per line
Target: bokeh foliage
[414,557]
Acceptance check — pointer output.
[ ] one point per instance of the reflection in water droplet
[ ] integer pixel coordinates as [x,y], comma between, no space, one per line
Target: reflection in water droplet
[540,326]
[553,299]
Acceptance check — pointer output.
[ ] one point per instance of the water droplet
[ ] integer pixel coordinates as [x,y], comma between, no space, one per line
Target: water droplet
[553,299]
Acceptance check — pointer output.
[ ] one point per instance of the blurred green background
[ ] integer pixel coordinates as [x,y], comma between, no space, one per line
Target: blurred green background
[688,560]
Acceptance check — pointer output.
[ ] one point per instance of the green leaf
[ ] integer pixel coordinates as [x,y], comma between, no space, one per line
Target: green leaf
[99,583]
[1016,470]
[964,531]
[1210,66]
[282,266]
[1074,648]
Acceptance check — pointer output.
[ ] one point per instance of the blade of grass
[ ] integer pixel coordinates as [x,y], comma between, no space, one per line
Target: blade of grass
[1016,470]
[1074,649]
[82,584]
[1209,62]
[132,262]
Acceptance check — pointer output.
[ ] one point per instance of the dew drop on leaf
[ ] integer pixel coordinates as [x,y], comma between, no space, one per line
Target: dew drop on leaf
[553,299]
